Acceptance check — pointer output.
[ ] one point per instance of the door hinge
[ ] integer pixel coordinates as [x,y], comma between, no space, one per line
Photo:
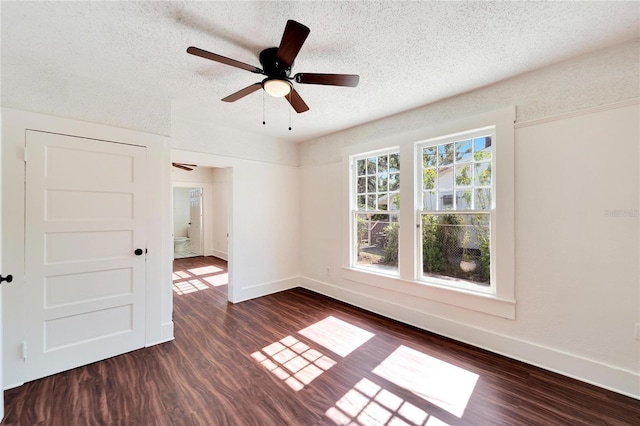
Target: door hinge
[24,155]
[24,350]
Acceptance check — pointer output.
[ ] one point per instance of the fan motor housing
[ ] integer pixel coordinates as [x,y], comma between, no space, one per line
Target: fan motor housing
[271,66]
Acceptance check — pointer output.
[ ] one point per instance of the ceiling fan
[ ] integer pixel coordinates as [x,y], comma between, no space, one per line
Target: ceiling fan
[276,66]
[183,166]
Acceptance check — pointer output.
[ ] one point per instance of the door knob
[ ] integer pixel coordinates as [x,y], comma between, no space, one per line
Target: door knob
[138,252]
[8,278]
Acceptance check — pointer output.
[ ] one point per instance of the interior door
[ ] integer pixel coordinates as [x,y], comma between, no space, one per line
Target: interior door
[195,217]
[1,349]
[84,278]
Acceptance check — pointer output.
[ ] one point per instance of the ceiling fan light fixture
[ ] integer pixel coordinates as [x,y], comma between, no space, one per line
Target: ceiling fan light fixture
[276,87]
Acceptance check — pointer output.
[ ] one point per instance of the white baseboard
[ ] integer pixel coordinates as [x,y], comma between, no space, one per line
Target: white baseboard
[594,372]
[13,385]
[166,334]
[219,254]
[264,289]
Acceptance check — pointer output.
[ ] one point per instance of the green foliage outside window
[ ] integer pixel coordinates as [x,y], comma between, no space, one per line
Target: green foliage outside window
[482,233]
[362,231]
[391,244]
[445,241]
[433,259]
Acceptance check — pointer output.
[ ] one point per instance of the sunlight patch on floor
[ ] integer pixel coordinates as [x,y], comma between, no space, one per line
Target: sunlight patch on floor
[216,280]
[178,275]
[205,270]
[198,279]
[443,384]
[369,404]
[185,287]
[293,362]
[336,335]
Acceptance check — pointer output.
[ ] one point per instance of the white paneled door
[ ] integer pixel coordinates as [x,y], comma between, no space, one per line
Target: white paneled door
[1,349]
[85,251]
[195,218]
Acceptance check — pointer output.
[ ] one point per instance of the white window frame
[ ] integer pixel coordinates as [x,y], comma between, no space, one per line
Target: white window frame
[501,302]
[420,211]
[353,207]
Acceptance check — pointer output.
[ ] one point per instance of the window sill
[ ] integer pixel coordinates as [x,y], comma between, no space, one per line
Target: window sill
[475,301]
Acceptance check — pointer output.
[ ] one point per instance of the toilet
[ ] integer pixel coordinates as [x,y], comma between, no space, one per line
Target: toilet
[181,244]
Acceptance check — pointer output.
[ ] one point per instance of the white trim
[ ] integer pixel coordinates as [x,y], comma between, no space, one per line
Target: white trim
[222,162]
[455,137]
[226,158]
[470,135]
[477,301]
[328,163]
[578,113]
[1,272]
[587,370]
[353,203]
[219,254]
[264,289]
[166,335]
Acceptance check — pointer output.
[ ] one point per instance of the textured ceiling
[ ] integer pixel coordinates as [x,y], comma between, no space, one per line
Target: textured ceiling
[406,53]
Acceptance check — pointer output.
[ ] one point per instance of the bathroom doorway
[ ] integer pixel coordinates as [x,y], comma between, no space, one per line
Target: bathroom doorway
[215,179]
[200,211]
[188,223]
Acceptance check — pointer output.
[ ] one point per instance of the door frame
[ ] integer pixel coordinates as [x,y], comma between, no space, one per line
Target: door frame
[158,293]
[212,161]
[1,272]
[201,213]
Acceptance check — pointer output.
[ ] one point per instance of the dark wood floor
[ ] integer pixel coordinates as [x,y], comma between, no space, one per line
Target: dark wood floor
[297,358]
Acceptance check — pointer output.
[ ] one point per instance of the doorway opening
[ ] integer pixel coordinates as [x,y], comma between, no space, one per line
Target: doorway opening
[201,214]
[187,222]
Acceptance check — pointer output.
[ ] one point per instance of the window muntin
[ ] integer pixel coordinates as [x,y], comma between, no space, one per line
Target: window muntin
[457,174]
[376,205]
[378,183]
[457,201]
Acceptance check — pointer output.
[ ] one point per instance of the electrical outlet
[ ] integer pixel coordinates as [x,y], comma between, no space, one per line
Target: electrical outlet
[638,331]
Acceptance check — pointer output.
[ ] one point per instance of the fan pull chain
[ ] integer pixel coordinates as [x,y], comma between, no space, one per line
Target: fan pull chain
[290,111]
[263,108]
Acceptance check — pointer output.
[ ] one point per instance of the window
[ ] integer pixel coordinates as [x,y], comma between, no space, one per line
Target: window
[452,241]
[376,203]
[457,201]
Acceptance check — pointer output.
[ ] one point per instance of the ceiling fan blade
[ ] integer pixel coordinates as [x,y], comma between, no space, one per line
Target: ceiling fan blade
[292,40]
[296,101]
[183,166]
[349,80]
[243,92]
[223,60]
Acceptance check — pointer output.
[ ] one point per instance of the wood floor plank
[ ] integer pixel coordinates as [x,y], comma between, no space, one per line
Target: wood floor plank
[264,362]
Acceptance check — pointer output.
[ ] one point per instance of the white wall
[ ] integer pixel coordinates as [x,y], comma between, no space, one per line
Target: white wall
[158,293]
[181,211]
[263,249]
[220,200]
[577,278]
